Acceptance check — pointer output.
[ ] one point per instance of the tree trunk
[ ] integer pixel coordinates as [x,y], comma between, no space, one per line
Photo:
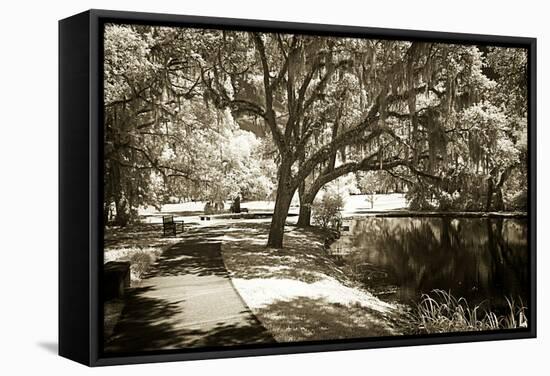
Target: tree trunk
[106,207]
[499,204]
[121,216]
[277,229]
[304,217]
[489,194]
[303,206]
[499,200]
[306,200]
[285,191]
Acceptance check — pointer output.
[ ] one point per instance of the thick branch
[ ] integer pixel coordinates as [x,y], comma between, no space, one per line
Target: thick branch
[350,136]
[269,112]
[367,164]
[175,172]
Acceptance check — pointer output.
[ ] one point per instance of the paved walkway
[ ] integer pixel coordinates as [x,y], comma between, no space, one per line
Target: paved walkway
[187,300]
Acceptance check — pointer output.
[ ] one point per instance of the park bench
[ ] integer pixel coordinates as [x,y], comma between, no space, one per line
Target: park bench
[116,278]
[171,226]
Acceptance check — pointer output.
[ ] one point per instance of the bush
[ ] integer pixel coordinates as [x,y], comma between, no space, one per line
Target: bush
[519,202]
[326,212]
[139,264]
[213,207]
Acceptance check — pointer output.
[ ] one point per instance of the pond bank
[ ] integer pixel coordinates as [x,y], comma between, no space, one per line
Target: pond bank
[478,264]
[441,214]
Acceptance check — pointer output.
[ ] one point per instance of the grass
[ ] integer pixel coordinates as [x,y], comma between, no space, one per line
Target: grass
[140,244]
[441,312]
[298,293]
[306,319]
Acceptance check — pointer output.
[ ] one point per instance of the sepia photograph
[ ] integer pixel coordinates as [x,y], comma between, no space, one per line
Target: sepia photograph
[269,188]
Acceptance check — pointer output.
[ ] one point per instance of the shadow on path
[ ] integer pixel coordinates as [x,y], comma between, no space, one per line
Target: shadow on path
[185,301]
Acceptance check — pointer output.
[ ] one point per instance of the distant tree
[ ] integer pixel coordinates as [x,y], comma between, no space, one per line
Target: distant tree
[161,137]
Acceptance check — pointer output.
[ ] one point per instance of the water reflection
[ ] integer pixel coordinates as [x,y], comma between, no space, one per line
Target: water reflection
[479,259]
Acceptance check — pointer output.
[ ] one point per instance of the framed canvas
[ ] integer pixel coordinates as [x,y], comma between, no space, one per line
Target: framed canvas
[235,187]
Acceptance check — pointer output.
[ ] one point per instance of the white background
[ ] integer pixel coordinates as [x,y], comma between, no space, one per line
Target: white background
[28,185]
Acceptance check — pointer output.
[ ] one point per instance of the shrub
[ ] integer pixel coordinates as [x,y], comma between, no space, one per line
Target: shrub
[139,264]
[213,207]
[326,212]
[519,201]
[420,197]
[208,208]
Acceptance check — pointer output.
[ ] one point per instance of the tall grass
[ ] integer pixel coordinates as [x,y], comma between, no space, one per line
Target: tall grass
[441,312]
[139,264]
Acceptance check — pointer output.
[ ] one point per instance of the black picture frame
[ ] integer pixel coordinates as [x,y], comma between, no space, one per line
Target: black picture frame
[80,185]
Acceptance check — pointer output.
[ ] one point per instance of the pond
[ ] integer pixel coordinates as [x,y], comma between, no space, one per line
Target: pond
[482,260]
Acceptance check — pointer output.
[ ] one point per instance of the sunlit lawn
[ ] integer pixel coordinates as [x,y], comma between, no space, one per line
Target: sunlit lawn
[298,293]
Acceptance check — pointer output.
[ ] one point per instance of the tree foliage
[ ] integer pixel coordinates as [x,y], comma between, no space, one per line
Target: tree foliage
[326,211]
[211,114]
[162,138]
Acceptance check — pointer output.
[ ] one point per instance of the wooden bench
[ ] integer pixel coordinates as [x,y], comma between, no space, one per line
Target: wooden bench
[171,226]
[116,279]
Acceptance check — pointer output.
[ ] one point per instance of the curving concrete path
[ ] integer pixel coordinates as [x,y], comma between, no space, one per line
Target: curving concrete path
[186,300]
